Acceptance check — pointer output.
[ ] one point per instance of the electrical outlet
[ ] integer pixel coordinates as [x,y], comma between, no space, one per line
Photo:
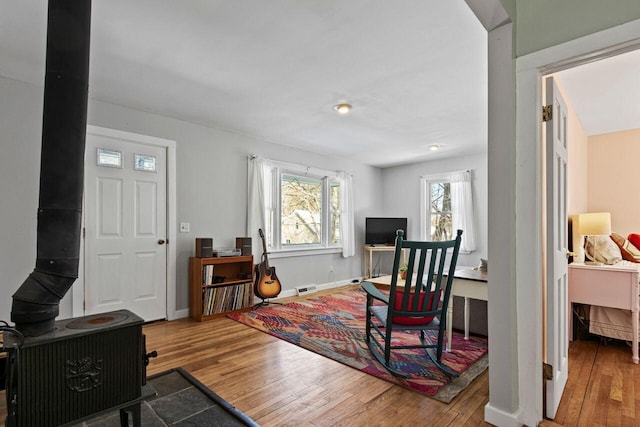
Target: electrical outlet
[185,227]
[331,269]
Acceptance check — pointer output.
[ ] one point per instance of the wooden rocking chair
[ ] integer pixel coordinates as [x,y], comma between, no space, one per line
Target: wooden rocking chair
[420,305]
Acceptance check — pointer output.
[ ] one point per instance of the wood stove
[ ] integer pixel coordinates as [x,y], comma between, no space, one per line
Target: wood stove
[85,366]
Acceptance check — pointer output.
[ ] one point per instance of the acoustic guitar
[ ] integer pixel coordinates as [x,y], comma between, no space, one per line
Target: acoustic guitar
[266,284]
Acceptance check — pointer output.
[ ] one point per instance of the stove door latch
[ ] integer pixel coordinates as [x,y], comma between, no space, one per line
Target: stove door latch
[149,356]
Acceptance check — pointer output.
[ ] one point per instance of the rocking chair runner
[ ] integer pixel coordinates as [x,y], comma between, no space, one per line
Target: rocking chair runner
[418,307]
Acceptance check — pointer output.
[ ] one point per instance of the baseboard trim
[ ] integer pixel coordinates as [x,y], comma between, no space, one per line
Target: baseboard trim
[501,418]
[179,314]
[323,286]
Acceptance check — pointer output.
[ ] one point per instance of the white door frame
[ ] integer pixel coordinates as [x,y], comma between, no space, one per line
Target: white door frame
[529,71]
[77,304]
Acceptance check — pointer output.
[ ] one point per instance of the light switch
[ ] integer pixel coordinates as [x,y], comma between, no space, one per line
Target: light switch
[185,227]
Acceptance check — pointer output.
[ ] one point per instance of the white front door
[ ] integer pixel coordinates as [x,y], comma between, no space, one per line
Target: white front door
[557,340]
[125,227]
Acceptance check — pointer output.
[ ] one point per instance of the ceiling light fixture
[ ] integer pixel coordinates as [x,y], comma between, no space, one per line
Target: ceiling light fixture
[434,147]
[342,108]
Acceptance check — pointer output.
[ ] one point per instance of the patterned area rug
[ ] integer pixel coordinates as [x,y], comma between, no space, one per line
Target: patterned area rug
[334,326]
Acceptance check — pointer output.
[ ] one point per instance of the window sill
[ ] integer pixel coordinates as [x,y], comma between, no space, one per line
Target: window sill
[304,252]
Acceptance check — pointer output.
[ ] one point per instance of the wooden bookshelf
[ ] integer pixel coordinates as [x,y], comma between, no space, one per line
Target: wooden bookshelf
[219,286]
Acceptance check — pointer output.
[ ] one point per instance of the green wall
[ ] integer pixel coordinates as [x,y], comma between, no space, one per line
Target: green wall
[543,23]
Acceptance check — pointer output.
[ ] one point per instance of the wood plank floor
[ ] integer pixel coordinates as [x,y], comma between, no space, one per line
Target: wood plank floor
[279,384]
[603,388]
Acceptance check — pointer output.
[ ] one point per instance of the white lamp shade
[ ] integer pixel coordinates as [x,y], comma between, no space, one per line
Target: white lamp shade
[594,224]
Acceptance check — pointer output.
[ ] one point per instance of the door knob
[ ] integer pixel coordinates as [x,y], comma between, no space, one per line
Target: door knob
[161,241]
[570,254]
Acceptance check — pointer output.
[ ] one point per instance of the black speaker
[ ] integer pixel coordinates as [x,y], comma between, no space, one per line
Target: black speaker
[244,244]
[204,247]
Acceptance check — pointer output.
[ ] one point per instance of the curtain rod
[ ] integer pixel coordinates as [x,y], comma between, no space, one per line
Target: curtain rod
[443,174]
[298,165]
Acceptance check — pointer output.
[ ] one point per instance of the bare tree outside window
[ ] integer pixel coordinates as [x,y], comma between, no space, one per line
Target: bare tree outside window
[334,201]
[301,210]
[441,217]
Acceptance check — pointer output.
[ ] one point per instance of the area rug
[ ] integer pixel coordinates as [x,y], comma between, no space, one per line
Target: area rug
[334,326]
[181,400]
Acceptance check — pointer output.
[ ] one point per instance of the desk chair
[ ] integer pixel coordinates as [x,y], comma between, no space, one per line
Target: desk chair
[413,307]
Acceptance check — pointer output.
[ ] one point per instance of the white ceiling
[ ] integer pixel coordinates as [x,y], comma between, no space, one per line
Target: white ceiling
[415,71]
[605,94]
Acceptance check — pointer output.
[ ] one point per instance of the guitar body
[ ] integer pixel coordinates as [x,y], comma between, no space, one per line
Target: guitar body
[266,284]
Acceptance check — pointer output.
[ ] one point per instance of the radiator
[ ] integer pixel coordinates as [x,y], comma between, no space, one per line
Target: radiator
[302,290]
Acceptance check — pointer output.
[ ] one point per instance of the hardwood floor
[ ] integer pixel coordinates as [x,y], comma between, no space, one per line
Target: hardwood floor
[603,388]
[279,384]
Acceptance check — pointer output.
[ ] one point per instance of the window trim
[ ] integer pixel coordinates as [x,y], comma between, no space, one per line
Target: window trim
[273,210]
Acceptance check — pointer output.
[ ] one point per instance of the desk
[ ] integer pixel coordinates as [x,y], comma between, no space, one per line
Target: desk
[467,283]
[368,256]
[606,286]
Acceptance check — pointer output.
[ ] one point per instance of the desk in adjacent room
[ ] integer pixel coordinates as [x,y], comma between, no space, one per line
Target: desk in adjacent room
[467,283]
[606,286]
[367,259]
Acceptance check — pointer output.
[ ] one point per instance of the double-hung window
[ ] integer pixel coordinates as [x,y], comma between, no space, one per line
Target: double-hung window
[302,208]
[439,226]
[446,206]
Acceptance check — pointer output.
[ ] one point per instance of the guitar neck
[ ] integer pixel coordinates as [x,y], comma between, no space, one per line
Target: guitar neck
[264,252]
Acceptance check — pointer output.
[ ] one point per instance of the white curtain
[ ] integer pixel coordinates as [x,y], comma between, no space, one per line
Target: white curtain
[462,207]
[346,215]
[256,204]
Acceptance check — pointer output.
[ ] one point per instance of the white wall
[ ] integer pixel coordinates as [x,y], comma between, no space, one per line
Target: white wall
[211,189]
[401,196]
[20,133]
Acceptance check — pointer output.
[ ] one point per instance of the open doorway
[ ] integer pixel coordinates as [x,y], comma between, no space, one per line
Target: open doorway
[529,203]
[601,126]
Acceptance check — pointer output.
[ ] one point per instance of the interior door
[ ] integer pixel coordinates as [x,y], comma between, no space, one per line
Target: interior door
[557,340]
[125,227]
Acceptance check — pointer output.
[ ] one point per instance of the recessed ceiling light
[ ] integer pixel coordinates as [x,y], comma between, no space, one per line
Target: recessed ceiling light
[342,108]
[434,147]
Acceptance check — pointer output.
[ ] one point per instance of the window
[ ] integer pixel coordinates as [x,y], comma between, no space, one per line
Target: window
[145,163]
[446,206]
[440,226]
[109,158]
[302,208]
[334,220]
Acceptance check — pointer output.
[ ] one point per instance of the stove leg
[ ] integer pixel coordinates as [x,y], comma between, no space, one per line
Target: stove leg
[134,410]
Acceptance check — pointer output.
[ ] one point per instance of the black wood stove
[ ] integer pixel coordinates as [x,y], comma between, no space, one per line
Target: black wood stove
[85,366]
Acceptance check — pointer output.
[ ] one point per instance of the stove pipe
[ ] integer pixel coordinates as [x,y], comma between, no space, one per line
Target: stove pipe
[36,303]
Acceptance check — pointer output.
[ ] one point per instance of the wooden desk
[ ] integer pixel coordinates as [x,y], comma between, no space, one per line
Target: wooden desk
[467,283]
[368,256]
[605,286]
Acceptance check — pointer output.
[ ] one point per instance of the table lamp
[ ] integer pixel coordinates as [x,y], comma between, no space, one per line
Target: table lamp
[594,224]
